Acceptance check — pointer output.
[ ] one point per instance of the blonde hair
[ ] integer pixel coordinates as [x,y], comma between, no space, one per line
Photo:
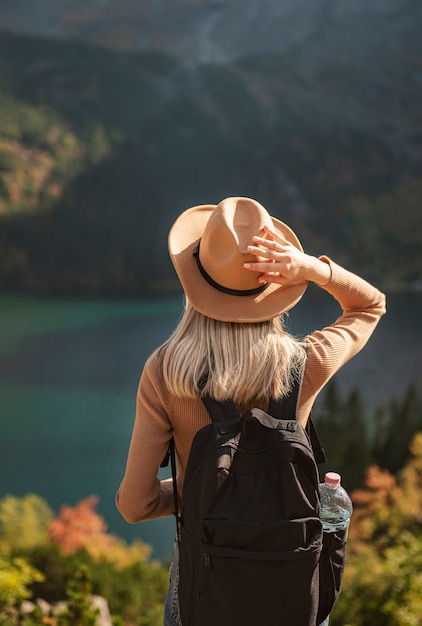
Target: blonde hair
[243,362]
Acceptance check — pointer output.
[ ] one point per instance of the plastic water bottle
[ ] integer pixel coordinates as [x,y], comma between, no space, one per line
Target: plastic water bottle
[336,506]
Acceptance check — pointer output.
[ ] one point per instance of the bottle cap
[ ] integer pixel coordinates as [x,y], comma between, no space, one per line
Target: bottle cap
[332,480]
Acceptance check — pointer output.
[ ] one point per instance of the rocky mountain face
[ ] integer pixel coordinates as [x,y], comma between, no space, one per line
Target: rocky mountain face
[350,64]
[208,31]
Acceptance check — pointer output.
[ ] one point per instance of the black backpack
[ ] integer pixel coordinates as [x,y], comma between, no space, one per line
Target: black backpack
[252,550]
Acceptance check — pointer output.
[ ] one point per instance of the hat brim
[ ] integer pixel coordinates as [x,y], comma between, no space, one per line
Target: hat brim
[272,302]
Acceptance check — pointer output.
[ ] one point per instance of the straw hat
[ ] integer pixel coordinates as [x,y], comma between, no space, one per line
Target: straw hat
[208,247]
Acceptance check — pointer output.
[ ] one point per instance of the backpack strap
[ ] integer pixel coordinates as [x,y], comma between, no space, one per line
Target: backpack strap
[171,456]
[317,448]
[287,406]
[280,408]
[219,411]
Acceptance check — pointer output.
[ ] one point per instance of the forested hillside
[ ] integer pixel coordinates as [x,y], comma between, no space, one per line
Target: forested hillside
[101,149]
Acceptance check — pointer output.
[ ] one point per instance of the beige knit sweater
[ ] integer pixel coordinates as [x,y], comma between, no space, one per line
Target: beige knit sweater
[159,415]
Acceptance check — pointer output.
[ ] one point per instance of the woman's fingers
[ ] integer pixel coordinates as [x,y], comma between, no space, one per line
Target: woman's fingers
[274,252]
[264,252]
[276,259]
[271,235]
[259,267]
[270,244]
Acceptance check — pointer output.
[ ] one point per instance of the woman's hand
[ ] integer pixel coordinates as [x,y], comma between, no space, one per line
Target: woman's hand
[278,261]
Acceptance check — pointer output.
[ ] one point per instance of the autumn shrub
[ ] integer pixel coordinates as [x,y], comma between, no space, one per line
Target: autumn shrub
[76,541]
[383,576]
[81,527]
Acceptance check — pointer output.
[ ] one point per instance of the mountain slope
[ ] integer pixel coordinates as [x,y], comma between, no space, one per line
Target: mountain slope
[106,147]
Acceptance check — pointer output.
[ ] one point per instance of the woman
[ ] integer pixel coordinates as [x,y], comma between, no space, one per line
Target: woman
[241,269]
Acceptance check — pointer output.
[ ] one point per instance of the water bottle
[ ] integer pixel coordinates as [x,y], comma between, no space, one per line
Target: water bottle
[336,506]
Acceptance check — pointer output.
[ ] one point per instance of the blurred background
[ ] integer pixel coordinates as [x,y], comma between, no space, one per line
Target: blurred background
[115,116]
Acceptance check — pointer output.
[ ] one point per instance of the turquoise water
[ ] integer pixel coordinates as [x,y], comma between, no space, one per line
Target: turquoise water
[68,377]
[69,371]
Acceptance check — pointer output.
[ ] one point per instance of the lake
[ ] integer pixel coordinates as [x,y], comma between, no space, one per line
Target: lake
[69,371]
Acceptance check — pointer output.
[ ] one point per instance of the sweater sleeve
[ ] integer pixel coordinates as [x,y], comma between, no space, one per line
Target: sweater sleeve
[330,348]
[141,495]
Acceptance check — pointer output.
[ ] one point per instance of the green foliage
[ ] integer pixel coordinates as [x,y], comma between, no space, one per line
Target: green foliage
[40,154]
[383,591]
[16,576]
[24,521]
[21,121]
[353,438]
[357,453]
[134,591]
[342,427]
[383,578]
[58,570]
[108,567]
[403,421]
[375,243]
[78,607]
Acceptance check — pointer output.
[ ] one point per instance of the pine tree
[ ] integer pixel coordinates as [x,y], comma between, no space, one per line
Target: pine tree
[405,420]
[379,429]
[329,419]
[356,453]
